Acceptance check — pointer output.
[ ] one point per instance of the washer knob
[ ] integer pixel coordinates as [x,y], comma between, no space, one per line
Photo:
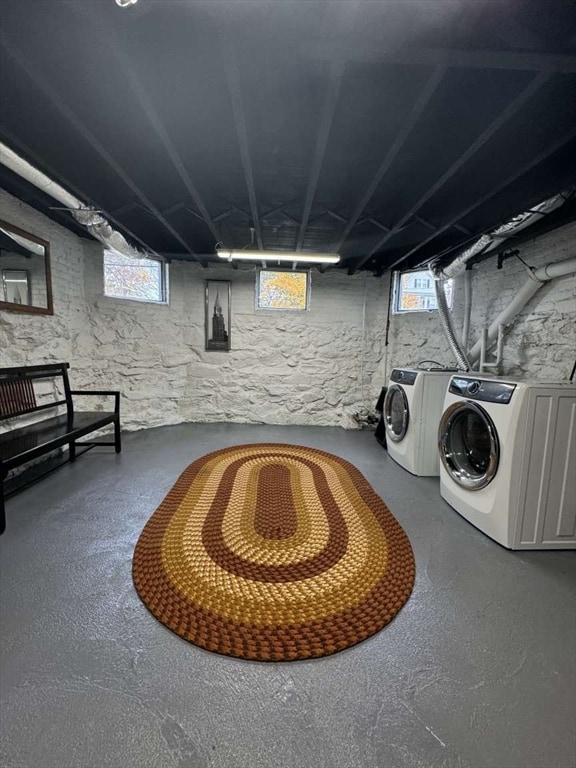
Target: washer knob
[473,387]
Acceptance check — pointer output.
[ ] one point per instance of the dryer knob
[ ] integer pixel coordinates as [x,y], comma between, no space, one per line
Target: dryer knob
[473,387]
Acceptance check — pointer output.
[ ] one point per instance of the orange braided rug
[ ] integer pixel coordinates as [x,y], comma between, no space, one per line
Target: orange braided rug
[273,552]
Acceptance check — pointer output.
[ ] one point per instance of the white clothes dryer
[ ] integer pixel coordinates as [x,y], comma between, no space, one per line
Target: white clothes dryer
[508,459]
[411,411]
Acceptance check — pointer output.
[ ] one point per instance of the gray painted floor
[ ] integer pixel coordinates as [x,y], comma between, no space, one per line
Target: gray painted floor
[477,670]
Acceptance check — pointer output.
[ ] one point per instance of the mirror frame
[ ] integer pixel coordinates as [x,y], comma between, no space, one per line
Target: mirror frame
[31,309]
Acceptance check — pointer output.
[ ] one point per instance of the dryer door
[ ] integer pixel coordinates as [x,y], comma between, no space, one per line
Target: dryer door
[396,413]
[468,445]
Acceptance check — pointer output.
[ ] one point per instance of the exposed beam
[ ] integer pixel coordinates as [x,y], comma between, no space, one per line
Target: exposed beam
[326,120]
[201,217]
[349,50]
[506,183]
[418,108]
[31,157]
[116,48]
[223,215]
[424,222]
[172,209]
[377,224]
[234,88]
[47,88]
[272,212]
[291,218]
[535,84]
[124,209]
[241,211]
[159,129]
[337,216]
[339,22]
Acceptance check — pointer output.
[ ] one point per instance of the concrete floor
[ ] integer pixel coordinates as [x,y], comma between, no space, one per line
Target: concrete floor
[477,670]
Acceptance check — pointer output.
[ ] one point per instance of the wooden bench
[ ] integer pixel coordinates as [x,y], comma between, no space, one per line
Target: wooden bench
[24,442]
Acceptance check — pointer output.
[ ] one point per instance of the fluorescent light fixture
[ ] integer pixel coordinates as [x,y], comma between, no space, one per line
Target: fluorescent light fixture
[302,258]
[126,3]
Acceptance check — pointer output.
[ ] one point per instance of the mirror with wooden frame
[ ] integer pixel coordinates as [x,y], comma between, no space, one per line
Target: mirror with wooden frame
[25,279]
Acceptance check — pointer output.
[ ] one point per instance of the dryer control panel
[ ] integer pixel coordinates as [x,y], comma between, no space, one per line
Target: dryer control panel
[481,389]
[402,376]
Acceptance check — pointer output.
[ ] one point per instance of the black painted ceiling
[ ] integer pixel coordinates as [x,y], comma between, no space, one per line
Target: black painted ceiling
[390,130]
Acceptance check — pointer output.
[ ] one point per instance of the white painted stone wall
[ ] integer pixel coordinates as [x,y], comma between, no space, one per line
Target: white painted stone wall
[540,344]
[316,367]
[313,367]
[25,339]
[283,368]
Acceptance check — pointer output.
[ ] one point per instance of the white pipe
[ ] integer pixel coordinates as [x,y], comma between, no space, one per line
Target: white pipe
[483,337]
[467,307]
[500,346]
[537,279]
[96,224]
[494,239]
[17,164]
[557,269]
[483,365]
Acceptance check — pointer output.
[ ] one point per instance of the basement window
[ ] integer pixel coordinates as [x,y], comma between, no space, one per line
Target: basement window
[134,279]
[282,289]
[415,292]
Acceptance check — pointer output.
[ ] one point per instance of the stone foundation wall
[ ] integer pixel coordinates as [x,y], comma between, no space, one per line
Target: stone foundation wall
[314,367]
[540,344]
[318,367]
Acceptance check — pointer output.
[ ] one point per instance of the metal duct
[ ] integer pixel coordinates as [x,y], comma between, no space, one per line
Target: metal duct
[444,314]
[94,222]
[485,244]
[494,239]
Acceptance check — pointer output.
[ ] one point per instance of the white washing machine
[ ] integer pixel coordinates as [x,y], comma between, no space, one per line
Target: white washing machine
[508,459]
[411,411]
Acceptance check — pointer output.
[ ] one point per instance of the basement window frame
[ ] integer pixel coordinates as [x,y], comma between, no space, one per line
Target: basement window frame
[419,275]
[258,287]
[162,266]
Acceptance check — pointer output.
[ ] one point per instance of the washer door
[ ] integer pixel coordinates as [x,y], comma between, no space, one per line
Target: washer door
[468,445]
[396,413]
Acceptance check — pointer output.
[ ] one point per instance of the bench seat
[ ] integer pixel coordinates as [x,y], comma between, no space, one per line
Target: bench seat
[22,443]
[27,443]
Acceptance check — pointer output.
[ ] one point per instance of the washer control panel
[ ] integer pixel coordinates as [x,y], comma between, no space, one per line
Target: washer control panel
[403,376]
[481,389]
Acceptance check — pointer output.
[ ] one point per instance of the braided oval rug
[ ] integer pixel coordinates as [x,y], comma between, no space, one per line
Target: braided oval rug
[273,552]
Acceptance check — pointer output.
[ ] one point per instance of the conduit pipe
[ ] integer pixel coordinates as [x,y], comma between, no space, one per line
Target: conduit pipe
[444,315]
[499,350]
[94,222]
[494,239]
[467,307]
[484,244]
[538,277]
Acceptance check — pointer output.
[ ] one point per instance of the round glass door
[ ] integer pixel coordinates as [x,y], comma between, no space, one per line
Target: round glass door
[396,413]
[468,444]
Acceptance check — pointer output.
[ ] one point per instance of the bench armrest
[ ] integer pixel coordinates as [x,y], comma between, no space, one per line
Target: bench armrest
[100,392]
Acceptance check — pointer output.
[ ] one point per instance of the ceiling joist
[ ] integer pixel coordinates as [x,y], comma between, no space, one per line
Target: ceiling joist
[369,128]
[420,105]
[42,83]
[547,152]
[234,87]
[527,93]
[373,53]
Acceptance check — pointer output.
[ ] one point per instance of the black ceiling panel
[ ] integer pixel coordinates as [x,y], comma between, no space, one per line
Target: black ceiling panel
[314,125]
